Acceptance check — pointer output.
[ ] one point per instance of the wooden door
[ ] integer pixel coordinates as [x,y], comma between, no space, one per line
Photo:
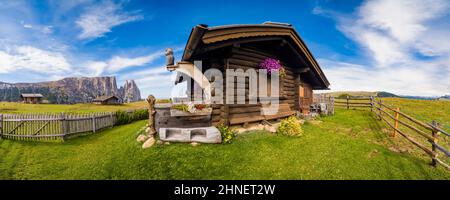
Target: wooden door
[305,97]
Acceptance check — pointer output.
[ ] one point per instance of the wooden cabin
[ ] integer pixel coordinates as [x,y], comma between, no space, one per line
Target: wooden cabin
[246,46]
[107,100]
[31,98]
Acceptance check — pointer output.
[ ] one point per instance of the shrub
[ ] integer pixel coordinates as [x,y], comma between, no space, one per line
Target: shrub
[128,117]
[228,134]
[290,127]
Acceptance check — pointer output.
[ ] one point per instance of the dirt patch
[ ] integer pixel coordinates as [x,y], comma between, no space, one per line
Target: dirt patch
[315,122]
[399,149]
[257,126]
[373,153]
[385,130]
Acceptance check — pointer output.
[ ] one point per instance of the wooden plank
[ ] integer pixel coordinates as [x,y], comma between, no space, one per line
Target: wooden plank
[16,127]
[443,164]
[241,120]
[279,115]
[439,129]
[42,127]
[434,144]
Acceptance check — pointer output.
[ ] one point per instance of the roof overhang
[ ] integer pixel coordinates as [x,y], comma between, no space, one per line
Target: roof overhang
[201,35]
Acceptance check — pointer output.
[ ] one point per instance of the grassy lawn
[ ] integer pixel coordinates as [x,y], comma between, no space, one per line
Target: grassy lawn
[424,110]
[10,107]
[349,145]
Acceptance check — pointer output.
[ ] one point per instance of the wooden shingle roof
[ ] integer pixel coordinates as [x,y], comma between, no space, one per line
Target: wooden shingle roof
[27,95]
[104,98]
[202,35]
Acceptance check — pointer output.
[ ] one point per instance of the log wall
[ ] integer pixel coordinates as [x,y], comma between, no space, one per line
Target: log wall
[245,58]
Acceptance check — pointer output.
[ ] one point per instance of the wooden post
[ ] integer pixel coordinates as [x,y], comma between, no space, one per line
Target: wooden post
[151,114]
[1,125]
[93,123]
[111,121]
[347,103]
[63,124]
[329,105]
[433,146]
[371,103]
[379,109]
[396,121]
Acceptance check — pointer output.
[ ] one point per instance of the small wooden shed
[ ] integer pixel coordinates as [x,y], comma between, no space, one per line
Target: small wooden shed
[31,98]
[246,46]
[107,100]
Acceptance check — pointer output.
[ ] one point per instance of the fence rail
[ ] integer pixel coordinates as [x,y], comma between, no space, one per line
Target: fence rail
[428,132]
[52,126]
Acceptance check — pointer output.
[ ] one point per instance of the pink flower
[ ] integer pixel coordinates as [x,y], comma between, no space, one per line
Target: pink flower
[270,65]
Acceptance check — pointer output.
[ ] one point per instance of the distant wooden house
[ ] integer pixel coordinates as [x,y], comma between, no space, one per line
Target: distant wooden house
[31,98]
[107,100]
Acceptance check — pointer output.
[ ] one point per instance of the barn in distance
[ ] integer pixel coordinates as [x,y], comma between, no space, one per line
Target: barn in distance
[107,100]
[31,98]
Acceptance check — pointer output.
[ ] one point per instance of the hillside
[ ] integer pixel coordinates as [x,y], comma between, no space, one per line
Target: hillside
[352,93]
[383,94]
[72,90]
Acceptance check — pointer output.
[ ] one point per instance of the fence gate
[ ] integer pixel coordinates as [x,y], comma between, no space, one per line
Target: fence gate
[52,126]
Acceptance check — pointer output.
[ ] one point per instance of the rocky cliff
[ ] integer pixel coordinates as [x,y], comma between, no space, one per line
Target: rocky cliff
[130,92]
[71,90]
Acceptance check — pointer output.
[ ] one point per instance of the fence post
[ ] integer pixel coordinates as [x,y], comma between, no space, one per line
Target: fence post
[347,103]
[396,121]
[332,105]
[433,146]
[329,104]
[1,125]
[93,123]
[379,109]
[63,124]
[371,103]
[111,119]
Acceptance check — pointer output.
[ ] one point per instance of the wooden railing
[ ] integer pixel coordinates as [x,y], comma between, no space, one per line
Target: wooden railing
[353,102]
[429,132]
[403,124]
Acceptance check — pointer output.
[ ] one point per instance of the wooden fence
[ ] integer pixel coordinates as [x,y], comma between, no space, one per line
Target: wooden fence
[44,127]
[406,126]
[354,102]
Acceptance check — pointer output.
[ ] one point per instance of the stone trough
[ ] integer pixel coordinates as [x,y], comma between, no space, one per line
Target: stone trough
[199,134]
[175,127]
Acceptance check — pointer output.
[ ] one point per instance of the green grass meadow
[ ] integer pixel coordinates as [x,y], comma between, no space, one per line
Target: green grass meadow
[11,107]
[349,145]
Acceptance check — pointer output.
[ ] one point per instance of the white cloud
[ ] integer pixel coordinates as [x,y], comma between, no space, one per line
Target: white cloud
[392,34]
[100,19]
[28,58]
[403,20]
[118,63]
[402,80]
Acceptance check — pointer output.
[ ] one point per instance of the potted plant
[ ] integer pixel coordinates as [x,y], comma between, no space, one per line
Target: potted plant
[190,109]
[272,65]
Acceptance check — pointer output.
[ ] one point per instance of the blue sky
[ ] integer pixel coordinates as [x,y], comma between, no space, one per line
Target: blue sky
[397,46]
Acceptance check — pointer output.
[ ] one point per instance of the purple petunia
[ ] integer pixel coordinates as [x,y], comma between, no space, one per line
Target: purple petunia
[270,65]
